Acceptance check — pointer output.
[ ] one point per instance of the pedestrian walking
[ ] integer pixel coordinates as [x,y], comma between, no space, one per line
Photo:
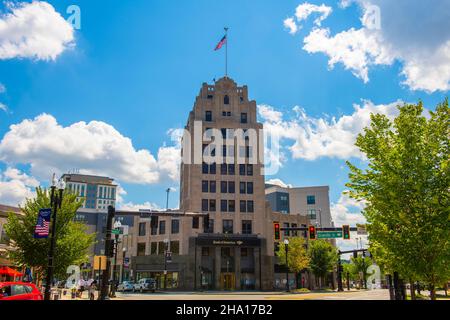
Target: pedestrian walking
[92,289]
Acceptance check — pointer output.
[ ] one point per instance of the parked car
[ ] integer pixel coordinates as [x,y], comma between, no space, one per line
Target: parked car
[19,291]
[145,284]
[125,286]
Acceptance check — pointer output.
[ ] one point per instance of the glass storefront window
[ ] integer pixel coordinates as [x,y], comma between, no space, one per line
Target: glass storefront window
[172,278]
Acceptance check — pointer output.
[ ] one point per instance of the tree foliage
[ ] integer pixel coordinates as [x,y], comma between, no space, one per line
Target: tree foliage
[298,259]
[406,188]
[72,239]
[323,257]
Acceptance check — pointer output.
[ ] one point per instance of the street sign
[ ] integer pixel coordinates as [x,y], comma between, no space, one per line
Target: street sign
[361,229]
[116,231]
[99,262]
[329,234]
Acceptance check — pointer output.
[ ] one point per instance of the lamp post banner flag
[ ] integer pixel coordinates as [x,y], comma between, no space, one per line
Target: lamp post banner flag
[41,231]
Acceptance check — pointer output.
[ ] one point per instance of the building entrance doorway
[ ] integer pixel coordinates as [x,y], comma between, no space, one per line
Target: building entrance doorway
[227,281]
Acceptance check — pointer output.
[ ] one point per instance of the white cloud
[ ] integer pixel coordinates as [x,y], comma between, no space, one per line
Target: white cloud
[355,49]
[94,148]
[15,187]
[347,211]
[2,88]
[314,138]
[15,174]
[278,182]
[3,107]
[130,206]
[34,30]
[303,11]
[423,49]
[290,24]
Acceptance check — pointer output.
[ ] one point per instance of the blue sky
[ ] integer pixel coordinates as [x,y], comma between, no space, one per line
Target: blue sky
[136,67]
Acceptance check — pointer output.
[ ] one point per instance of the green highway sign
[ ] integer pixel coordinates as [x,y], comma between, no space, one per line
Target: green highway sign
[116,231]
[329,234]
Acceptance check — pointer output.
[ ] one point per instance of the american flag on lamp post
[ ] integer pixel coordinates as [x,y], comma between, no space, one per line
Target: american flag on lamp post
[42,228]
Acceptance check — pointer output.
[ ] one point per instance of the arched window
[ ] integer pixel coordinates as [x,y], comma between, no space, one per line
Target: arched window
[226,100]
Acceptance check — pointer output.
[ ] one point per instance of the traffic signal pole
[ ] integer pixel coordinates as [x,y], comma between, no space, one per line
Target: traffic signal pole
[113,286]
[104,288]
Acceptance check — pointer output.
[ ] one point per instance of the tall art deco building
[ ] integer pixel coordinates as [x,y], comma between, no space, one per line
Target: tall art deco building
[221,175]
[222,237]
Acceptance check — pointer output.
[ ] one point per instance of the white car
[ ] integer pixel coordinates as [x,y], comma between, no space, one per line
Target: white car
[145,284]
[125,286]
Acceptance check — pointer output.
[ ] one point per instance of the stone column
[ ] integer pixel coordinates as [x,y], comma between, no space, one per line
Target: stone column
[257,257]
[237,267]
[198,264]
[217,268]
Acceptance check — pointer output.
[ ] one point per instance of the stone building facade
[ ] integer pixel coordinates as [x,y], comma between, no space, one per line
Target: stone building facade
[222,236]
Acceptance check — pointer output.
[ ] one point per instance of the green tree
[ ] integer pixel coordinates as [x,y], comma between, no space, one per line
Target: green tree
[360,265]
[350,270]
[323,257]
[298,259]
[72,239]
[406,187]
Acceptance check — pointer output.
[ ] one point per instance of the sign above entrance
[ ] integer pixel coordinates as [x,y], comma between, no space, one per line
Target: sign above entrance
[225,241]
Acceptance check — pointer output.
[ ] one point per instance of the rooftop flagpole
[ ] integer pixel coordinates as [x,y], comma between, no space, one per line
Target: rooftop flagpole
[226,52]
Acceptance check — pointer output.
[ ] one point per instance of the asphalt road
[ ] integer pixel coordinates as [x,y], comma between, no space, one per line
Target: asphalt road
[352,295]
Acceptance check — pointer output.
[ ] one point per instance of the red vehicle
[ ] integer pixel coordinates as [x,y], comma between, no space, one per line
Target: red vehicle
[19,291]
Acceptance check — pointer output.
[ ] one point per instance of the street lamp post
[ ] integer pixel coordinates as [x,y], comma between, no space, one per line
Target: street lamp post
[113,285]
[55,202]
[286,245]
[167,198]
[124,250]
[166,241]
[340,287]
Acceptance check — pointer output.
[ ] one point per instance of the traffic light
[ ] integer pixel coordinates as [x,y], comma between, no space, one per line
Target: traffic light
[276,231]
[109,248]
[312,233]
[346,232]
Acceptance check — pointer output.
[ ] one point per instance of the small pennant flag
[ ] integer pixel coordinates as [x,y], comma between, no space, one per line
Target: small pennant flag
[42,228]
[221,43]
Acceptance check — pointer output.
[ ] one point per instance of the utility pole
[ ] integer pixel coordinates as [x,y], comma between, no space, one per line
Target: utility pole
[108,245]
